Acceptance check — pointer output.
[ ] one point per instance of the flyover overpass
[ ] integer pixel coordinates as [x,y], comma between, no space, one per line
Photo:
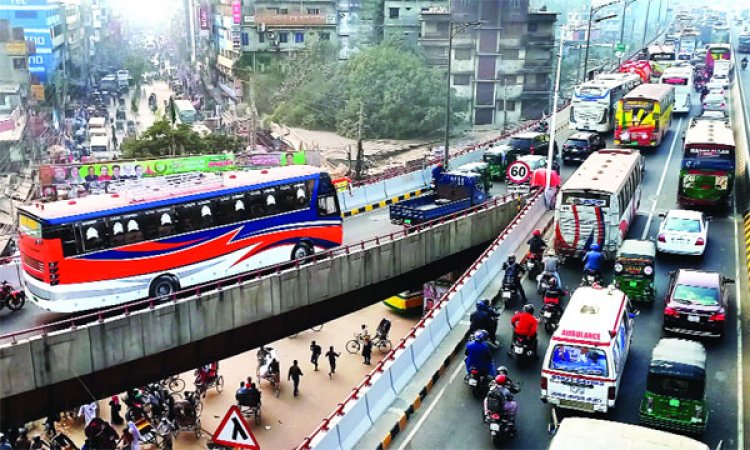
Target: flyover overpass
[63,365]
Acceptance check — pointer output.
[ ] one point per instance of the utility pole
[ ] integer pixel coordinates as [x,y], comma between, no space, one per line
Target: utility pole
[360,149]
[658,18]
[622,28]
[553,113]
[191,29]
[645,24]
[588,41]
[505,103]
[446,151]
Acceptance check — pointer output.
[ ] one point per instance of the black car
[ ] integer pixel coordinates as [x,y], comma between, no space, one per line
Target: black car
[580,145]
[530,143]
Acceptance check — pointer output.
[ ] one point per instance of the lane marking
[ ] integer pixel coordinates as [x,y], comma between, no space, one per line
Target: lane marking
[646,229]
[430,408]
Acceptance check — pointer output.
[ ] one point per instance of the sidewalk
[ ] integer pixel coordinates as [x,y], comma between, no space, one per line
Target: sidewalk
[395,419]
[285,420]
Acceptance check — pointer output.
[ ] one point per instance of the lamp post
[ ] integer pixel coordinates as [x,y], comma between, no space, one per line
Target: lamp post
[645,24]
[553,113]
[593,10]
[453,30]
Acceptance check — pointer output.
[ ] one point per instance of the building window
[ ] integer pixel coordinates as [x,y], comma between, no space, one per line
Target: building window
[299,38]
[283,11]
[509,104]
[515,4]
[261,37]
[245,39]
[533,27]
[25,14]
[283,37]
[57,31]
[461,80]
[510,54]
[393,13]
[313,11]
[325,36]
[462,54]
[20,64]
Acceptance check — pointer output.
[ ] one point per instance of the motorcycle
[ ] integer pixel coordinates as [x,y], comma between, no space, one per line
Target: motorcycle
[11,298]
[591,277]
[542,126]
[533,264]
[543,282]
[477,381]
[522,348]
[550,316]
[744,64]
[509,289]
[501,424]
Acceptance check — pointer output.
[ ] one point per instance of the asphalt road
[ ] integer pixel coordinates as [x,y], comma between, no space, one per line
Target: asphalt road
[428,428]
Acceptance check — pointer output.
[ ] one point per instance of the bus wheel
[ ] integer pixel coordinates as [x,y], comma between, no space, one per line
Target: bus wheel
[302,250]
[163,287]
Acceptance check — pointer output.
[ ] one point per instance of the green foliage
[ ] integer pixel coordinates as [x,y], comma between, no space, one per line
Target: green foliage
[161,139]
[400,95]
[373,11]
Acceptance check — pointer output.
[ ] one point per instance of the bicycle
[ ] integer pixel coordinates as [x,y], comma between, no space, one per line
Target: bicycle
[381,343]
[315,328]
[174,383]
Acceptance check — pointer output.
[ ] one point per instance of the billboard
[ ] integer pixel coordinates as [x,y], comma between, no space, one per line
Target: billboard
[237,11]
[203,16]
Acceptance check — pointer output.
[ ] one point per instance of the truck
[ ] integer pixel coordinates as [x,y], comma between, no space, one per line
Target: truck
[454,192]
[123,79]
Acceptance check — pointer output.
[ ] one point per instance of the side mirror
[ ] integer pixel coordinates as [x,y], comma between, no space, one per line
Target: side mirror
[662,215]
[709,218]
[728,280]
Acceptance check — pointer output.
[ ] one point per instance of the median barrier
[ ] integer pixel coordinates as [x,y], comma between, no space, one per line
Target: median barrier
[455,309]
[379,394]
[403,184]
[422,345]
[402,369]
[440,325]
[356,198]
[375,193]
[329,440]
[354,422]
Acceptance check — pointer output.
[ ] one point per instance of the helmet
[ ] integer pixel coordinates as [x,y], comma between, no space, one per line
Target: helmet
[512,258]
[552,282]
[595,247]
[528,308]
[537,233]
[502,370]
[483,304]
[501,379]
[480,335]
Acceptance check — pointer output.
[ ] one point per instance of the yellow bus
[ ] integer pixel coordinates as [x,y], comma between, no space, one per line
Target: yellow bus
[644,115]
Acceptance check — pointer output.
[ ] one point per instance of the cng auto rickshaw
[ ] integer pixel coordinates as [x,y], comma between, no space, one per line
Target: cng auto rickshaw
[498,157]
[480,168]
[675,395]
[635,268]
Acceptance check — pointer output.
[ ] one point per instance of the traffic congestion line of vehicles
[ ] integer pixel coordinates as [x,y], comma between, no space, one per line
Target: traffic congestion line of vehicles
[591,337]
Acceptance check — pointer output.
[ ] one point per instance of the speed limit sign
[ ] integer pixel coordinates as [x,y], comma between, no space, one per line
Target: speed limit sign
[518,172]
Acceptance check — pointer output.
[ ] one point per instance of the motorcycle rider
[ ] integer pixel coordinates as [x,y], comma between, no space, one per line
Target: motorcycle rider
[515,271]
[499,390]
[553,294]
[479,355]
[551,264]
[537,244]
[484,318]
[524,325]
[744,63]
[593,261]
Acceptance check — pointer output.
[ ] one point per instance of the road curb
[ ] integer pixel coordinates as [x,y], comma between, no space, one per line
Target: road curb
[383,203]
[414,406]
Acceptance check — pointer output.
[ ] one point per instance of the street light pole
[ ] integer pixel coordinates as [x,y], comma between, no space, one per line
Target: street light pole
[645,25]
[553,113]
[622,28]
[588,41]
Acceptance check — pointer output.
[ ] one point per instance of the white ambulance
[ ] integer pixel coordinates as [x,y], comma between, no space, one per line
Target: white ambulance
[586,357]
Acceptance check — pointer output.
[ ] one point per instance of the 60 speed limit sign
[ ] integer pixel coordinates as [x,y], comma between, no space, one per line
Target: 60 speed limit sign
[518,172]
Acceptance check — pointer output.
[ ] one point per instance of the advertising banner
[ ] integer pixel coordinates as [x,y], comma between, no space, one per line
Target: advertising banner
[203,17]
[237,11]
[271,159]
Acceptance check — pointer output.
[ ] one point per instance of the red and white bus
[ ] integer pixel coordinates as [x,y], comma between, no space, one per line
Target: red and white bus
[154,237]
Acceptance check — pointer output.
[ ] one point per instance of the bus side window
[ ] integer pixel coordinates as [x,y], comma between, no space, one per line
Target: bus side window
[94,236]
[67,237]
[257,205]
[117,233]
[327,205]
[134,233]
[186,220]
[207,215]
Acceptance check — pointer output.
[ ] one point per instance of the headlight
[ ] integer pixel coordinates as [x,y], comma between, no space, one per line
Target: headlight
[721,182]
[618,267]
[648,270]
[688,181]
[625,136]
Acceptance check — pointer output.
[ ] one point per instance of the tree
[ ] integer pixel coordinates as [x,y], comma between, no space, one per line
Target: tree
[161,139]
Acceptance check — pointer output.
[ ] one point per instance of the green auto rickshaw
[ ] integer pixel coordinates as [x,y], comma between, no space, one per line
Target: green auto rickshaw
[675,396]
[480,168]
[635,268]
[498,157]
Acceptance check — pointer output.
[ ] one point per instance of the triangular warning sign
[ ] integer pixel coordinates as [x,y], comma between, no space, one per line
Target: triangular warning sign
[233,431]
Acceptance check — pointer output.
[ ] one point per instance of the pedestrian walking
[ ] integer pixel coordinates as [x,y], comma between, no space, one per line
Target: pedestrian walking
[332,355]
[294,374]
[315,352]
[114,410]
[88,412]
[367,350]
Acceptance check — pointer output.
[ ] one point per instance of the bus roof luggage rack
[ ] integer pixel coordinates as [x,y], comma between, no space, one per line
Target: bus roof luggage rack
[167,186]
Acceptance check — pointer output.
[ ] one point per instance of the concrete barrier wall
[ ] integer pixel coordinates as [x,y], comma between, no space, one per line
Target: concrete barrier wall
[400,366]
[71,353]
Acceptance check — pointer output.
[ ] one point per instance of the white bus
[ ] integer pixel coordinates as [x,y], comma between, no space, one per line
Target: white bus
[577,433]
[184,111]
[597,204]
[681,77]
[661,57]
[585,360]
[688,44]
[595,102]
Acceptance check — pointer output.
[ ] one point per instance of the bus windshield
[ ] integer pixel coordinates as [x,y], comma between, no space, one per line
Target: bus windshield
[30,227]
[662,57]
[744,39]
[585,199]
[581,360]
[675,81]
[589,91]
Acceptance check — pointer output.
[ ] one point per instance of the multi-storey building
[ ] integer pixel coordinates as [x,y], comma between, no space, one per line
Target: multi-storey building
[43,22]
[502,67]
[14,66]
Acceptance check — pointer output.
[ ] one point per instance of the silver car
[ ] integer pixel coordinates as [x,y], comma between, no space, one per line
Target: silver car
[715,102]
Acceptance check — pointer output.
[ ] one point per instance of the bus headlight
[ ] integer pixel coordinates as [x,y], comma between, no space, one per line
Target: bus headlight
[625,136]
[721,182]
[618,267]
[688,181]
[648,270]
